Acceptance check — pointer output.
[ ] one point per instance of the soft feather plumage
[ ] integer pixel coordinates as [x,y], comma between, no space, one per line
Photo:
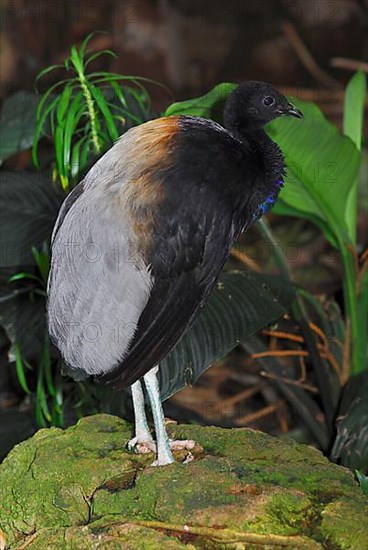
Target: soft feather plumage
[140,242]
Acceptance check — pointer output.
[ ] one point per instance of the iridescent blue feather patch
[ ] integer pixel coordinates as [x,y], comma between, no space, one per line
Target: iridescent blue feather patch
[266,205]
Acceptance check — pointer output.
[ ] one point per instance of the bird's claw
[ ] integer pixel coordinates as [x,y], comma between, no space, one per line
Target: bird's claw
[177,445]
[182,444]
[141,446]
[145,446]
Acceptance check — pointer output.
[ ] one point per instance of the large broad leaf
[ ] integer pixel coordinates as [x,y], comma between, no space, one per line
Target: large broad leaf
[210,105]
[304,405]
[353,128]
[29,204]
[241,304]
[351,444]
[17,123]
[354,108]
[322,167]
[284,209]
[22,315]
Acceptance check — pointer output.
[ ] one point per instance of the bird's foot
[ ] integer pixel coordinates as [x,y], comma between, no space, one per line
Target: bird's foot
[182,444]
[165,456]
[142,445]
[176,445]
[145,445]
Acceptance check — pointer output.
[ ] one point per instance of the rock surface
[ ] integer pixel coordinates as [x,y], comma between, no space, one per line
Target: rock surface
[81,489]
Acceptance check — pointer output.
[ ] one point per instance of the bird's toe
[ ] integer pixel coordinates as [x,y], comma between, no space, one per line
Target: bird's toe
[163,461]
[182,444]
[141,446]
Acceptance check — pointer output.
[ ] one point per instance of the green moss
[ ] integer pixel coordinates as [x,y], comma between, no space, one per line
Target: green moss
[259,458]
[345,524]
[170,493]
[286,512]
[49,480]
[74,488]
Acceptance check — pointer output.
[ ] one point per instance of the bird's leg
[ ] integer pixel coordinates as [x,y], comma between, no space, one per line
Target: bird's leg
[142,441]
[164,444]
[164,454]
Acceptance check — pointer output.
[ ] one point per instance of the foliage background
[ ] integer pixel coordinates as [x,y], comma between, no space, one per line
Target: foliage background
[267,382]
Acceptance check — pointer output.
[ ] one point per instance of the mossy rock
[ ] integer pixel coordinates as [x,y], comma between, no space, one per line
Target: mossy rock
[80,489]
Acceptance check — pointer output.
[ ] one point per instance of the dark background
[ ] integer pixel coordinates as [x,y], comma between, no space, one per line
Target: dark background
[190,45]
[309,48]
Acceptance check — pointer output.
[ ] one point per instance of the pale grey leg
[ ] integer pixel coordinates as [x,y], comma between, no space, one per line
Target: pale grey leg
[164,454]
[142,440]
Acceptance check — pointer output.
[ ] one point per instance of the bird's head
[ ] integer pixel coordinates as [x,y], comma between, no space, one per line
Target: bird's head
[252,104]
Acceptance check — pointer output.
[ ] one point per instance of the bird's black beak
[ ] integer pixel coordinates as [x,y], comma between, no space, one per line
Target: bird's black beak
[291,110]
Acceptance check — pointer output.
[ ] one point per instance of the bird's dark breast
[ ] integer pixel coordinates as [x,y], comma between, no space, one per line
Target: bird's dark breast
[206,187]
[205,184]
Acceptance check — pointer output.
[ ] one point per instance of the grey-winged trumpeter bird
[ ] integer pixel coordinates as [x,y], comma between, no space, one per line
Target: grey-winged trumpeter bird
[139,244]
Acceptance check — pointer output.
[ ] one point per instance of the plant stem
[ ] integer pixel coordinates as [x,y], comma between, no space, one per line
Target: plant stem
[350,297]
[349,285]
[351,306]
[298,312]
[91,112]
[268,236]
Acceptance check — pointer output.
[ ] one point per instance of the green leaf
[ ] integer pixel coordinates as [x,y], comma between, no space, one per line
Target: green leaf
[284,209]
[75,159]
[77,59]
[304,406]
[63,103]
[40,128]
[209,105]
[46,360]
[362,313]
[353,128]
[119,93]
[96,55]
[17,123]
[23,319]
[47,95]
[130,105]
[59,150]
[241,304]
[322,166]
[71,123]
[29,204]
[43,414]
[351,444]
[83,46]
[22,275]
[47,70]
[328,316]
[85,153]
[354,108]
[42,258]
[20,370]
[101,102]
[141,100]
[363,482]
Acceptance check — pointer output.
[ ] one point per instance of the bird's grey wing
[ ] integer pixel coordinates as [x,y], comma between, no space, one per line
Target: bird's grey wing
[185,270]
[193,227]
[166,188]
[99,281]
[97,288]
[66,206]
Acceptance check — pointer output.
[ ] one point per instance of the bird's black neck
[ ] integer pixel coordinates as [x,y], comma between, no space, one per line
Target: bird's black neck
[271,165]
[267,151]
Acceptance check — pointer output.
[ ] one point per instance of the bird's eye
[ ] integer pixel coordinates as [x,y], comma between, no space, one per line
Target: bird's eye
[269,100]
